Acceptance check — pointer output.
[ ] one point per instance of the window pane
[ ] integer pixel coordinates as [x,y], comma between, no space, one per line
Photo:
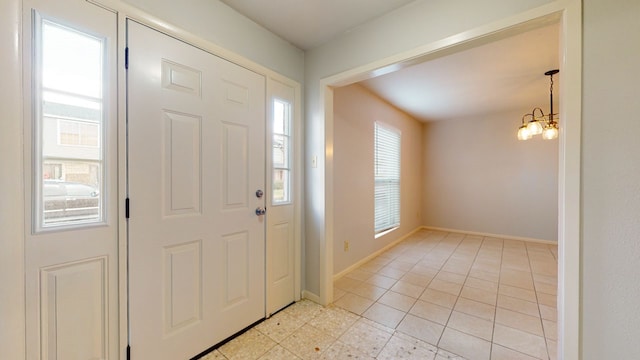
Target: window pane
[77,133]
[71,106]
[280,186]
[75,199]
[71,61]
[278,117]
[281,152]
[387,177]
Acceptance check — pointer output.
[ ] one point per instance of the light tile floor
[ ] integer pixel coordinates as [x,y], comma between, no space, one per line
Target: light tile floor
[435,296]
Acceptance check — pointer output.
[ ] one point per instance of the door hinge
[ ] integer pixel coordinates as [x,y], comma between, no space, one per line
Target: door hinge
[128,352]
[126,58]
[126,208]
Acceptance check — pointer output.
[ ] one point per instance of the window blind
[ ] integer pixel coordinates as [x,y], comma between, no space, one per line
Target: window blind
[387,177]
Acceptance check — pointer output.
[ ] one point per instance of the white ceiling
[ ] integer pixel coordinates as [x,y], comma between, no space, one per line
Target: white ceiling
[310,23]
[502,76]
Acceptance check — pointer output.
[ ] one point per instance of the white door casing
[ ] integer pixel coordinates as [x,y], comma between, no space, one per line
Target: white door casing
[196,127]
[71,271]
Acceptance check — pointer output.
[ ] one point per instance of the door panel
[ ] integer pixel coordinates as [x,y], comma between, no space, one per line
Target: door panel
[74,313]
[196,157]
[182,285]
[235,167]
[182,154]
[281,226]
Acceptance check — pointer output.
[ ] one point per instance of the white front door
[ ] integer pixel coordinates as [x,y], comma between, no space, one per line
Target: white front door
[71,245]
[196,129]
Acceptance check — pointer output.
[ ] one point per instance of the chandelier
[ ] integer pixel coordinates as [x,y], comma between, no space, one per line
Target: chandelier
[539,123]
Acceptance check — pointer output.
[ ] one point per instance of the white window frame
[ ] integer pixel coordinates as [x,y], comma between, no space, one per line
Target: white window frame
[387,170]
[38,90]
[287,166]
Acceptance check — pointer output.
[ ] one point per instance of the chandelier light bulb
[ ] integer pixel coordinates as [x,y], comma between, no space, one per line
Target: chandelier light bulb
[534,127]
[550,132]
[524,133]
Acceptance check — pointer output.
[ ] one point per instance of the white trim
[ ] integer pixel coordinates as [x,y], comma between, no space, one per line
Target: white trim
[569,185]
[371,256]
[123,193]
[570,14]
[326,249]
[499,236]
[298,163]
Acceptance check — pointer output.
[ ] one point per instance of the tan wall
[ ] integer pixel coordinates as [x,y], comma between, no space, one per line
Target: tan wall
[355,111]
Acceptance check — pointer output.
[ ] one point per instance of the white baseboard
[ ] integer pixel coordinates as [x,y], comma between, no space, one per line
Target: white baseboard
[500,236]
[310,296]
[373,255]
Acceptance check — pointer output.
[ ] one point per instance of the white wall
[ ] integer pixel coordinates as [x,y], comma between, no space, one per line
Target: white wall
[479,177]
[611,180]
[218,23]
[355,112]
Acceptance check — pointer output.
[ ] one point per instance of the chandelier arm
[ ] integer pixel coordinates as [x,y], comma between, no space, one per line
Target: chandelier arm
[542,115]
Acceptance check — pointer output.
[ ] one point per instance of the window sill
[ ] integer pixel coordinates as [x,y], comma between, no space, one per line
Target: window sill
[383,233]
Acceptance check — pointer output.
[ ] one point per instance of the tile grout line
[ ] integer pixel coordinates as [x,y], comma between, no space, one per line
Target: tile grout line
[535,291]
[459,292]
[495,315]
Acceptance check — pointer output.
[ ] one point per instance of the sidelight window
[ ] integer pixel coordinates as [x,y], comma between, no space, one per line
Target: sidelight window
[281,160]
[69,149]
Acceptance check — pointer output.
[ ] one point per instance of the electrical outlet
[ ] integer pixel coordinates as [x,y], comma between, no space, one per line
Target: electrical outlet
[346,245]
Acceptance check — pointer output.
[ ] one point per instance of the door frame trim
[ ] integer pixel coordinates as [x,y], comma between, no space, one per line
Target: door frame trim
[569,14]
[126,12]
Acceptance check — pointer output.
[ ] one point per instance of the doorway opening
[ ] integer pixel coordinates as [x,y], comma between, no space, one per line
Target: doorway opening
[568,156]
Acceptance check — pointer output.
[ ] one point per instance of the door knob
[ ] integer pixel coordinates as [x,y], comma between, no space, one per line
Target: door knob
[261,211]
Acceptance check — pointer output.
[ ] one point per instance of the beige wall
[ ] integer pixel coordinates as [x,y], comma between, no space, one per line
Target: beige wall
[478,177]
[355,111]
